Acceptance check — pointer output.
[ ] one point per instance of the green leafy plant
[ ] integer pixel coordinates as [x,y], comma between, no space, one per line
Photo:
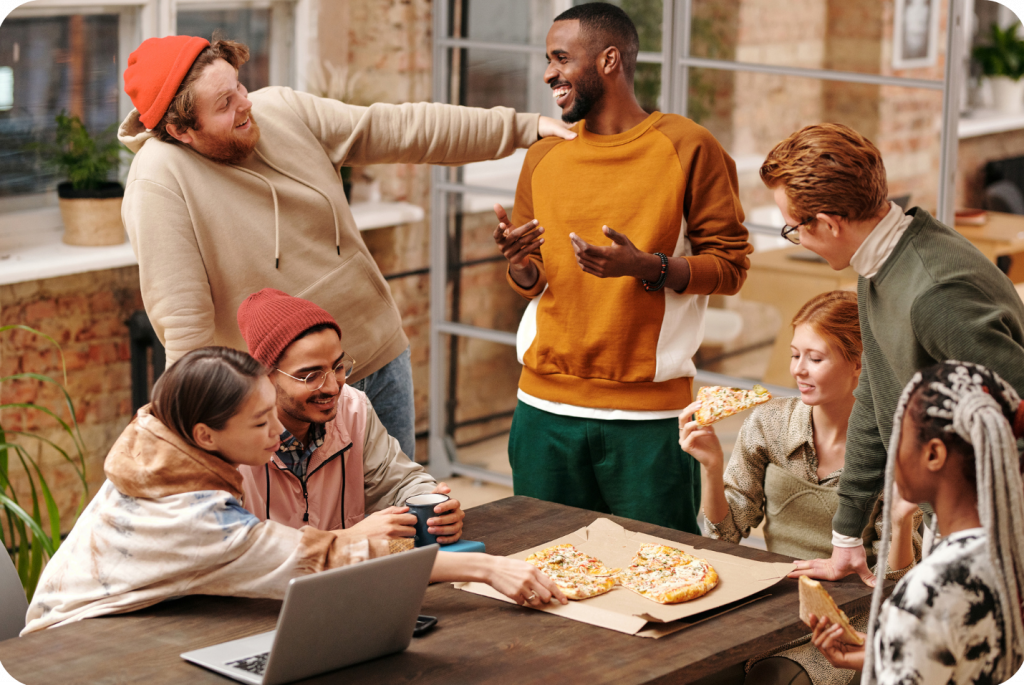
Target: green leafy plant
[1004,56]
[85,160]
[21,523]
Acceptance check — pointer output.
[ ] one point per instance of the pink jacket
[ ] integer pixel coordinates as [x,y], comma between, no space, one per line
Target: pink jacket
[359,469]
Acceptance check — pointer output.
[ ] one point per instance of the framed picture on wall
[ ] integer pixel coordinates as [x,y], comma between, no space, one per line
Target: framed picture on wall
[915,34]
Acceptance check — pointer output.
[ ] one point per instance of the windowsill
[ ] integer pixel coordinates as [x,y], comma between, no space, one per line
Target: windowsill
[984,122]
[29,255]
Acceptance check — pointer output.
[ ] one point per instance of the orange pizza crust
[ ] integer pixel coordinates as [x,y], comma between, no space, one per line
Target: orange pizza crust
[668,575]
[718,402]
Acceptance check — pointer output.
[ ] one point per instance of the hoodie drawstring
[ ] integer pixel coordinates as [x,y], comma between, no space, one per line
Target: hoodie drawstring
[277,216]
[334,210]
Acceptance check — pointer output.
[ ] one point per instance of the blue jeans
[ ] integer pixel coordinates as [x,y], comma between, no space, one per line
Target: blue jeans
[390,393]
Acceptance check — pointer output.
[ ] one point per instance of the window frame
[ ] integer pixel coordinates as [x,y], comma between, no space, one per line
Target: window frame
[292,26]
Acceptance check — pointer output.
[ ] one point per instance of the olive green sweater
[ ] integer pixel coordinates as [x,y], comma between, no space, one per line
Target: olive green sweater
[935,298]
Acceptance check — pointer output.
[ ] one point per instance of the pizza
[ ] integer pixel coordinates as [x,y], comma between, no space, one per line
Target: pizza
[718,402]
[814,599]
[668,575]
[577,574]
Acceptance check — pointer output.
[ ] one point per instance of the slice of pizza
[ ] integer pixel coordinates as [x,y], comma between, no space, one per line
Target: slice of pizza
[567,558]
[668,575]
[814,599]
[577,586]
[576,573]
[718,402]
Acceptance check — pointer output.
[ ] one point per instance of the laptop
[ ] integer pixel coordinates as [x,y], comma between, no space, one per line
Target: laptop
[330,620]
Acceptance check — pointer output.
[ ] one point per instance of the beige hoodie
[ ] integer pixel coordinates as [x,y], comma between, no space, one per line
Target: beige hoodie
[207,234]
[169,522]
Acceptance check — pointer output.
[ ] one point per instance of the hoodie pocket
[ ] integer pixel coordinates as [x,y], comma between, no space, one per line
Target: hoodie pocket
[358,298]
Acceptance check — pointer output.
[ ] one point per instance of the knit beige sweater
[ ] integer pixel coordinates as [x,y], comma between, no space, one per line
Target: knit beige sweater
[207,234]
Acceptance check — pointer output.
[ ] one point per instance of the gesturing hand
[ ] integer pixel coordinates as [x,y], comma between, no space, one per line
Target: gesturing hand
[844,561]
[517,244]
[621,258]
[698,441]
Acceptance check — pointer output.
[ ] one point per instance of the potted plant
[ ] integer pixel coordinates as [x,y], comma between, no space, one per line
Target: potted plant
[90,203]
[28,534]
[1002,62]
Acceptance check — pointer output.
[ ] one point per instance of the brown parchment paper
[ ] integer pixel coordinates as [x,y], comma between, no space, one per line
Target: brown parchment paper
[628,612]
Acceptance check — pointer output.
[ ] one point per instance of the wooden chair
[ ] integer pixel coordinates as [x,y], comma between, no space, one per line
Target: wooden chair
[13,605]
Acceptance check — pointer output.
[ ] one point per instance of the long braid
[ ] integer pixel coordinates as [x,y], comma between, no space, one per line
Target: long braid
[969,403]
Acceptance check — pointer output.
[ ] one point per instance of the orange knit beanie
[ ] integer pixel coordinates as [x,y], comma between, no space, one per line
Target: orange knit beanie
[271,320]
[155,70]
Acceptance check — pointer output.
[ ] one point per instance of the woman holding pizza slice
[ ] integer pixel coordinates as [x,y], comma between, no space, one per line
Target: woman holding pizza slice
[785,470]
[956,617]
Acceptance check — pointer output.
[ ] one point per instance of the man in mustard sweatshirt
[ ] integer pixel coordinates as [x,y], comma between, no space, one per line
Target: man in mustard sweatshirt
[231,192]
[617,237]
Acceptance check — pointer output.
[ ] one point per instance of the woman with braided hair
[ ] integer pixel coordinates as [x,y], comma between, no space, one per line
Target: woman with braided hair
[956,617]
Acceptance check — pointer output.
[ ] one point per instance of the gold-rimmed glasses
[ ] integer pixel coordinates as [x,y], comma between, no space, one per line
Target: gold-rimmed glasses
[315,380]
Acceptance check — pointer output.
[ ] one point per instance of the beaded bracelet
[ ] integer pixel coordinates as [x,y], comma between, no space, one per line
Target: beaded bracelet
[660,283]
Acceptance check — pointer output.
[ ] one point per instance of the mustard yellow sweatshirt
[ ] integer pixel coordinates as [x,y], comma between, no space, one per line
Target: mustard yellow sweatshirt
[607,343]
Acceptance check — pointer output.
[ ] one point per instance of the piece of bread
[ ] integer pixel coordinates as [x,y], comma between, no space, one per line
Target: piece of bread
[814,599]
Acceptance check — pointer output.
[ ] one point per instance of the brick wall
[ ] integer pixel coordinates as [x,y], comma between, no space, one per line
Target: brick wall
[86,314]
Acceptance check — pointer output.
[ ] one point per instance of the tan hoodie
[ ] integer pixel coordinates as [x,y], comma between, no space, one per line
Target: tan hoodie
[169,522]
[207,235]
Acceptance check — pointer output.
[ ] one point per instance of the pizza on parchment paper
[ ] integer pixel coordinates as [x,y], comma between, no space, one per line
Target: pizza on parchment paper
[577,574]
[668,575]
[718,402]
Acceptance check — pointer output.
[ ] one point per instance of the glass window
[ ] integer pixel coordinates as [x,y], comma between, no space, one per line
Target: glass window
[905,38]
[500,21]
[749,113]
[49,65]
[249,26]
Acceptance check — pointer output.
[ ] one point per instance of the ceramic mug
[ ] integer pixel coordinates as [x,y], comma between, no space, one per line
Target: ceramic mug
[422,507]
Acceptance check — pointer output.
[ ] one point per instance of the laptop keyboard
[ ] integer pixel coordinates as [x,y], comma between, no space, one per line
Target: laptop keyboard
[254,664]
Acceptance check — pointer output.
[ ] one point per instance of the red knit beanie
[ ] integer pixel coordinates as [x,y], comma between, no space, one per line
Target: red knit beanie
[271,320]
[155,70]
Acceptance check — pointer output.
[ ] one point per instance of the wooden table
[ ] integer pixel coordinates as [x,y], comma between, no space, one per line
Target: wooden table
[777,279]
[477,639]
[1002,235]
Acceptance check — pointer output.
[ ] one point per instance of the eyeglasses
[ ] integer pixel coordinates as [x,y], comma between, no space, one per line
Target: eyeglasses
[792,233]
[316,379]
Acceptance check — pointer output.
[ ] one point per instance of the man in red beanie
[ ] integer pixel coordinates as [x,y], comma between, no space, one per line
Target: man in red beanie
[336,461]
[230,192]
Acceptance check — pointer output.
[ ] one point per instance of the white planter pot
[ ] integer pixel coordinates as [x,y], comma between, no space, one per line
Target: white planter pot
[1007,94]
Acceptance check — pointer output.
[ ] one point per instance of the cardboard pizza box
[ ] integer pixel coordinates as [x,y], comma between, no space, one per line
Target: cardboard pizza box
[628,612]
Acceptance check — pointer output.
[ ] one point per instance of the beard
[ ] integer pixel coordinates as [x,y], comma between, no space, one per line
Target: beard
[305,410]
[232,148]
[588,89]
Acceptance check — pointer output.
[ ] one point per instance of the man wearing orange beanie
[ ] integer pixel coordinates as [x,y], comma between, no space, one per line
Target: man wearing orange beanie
[336,462]
[230,192]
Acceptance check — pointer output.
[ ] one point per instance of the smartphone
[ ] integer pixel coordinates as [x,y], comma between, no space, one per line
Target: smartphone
[423,624]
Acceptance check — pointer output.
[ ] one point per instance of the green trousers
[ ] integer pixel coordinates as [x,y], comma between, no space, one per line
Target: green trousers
[633,469]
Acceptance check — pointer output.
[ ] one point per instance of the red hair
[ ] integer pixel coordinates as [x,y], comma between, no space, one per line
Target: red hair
[834,317]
